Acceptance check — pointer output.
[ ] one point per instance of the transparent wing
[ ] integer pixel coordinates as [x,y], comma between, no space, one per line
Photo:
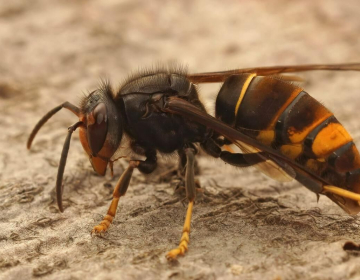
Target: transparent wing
[269,167]
[220,76]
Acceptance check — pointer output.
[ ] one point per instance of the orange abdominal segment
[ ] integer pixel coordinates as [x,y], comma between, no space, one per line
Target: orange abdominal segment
[329,139]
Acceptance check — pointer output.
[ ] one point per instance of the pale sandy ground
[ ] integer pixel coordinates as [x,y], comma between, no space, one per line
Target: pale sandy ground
[245,226]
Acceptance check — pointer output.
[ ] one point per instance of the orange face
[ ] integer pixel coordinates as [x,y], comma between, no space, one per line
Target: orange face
[99,164]
[94,138]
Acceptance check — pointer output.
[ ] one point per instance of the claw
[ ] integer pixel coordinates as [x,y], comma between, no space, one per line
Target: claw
[173,254]
[103,226]
[179,251]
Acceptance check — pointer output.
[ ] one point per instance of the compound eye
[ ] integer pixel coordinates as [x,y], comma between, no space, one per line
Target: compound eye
[97,127]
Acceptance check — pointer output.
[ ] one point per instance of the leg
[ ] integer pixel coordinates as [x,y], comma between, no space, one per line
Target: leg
[178,180]
[146,166]
[236,159]
[190,194]
[182,163]
[241,160]
[120,190]
[150,163]
[342,192]
[347,200]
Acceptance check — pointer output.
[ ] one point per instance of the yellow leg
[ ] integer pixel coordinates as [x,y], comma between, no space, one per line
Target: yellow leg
[120,190]
[184,241]
[106,222]
[342,192]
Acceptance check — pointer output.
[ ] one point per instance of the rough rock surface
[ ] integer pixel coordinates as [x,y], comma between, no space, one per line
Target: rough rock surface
[245,226]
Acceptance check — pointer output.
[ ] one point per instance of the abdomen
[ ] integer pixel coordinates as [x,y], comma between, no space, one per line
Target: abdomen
[286,118]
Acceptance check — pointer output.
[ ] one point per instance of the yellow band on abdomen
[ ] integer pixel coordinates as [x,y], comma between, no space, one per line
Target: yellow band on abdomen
[243,91]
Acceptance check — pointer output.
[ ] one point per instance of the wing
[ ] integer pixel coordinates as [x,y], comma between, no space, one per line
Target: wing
[280,171]
[218,77]
[274,165]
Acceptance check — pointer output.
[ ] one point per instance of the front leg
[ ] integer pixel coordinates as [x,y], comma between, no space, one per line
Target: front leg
[121,187]
[120,190]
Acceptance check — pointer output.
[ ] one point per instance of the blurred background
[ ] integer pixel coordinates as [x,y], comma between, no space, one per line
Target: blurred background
[55,51]
[71,44]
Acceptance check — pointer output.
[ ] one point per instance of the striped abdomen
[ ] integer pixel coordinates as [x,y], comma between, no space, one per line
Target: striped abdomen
[286,118]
